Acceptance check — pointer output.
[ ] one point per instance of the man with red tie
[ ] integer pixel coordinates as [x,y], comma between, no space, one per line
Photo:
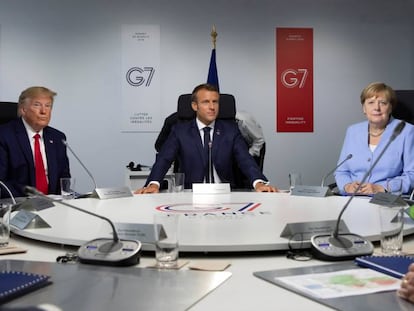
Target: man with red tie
[32,152]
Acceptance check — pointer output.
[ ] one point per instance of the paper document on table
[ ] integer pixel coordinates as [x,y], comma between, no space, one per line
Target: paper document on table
[341,283]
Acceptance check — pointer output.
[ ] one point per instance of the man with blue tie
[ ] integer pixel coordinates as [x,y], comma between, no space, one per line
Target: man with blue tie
[195,141]
[32,152]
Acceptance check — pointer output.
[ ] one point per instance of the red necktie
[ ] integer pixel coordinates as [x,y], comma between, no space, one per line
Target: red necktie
[41,180]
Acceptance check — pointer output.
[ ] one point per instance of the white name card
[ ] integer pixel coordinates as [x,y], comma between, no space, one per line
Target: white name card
[311,191]
[199,188]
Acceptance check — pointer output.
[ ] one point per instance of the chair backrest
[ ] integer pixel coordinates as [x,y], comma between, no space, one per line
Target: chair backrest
[405,106]
[227,111]
[227,108]
[241,181]
[260,158]
[8,111]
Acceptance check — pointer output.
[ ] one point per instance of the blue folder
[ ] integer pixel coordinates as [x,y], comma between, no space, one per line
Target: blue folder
[395,266]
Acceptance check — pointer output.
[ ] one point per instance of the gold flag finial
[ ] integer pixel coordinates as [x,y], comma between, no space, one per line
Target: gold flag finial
[213,36]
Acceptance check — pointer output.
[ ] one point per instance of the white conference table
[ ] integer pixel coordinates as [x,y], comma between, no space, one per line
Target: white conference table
[239,221]
[242,291]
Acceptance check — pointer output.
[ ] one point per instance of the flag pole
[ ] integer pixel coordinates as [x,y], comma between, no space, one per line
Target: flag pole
[213,36]
[212,77]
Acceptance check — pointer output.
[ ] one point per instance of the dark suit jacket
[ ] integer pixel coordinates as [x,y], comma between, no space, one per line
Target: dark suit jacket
[16,158]
[185,142]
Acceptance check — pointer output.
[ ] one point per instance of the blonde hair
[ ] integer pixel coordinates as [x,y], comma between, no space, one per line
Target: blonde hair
[374,88]
[33,92]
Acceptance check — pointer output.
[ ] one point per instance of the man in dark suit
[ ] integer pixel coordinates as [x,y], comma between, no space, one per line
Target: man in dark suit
[18,146]
[186,141]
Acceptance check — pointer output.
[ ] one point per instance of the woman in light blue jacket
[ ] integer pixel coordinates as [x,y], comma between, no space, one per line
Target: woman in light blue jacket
[366,140]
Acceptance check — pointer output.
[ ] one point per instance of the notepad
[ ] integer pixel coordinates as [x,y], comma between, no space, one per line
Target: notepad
[396,266]
[15,283]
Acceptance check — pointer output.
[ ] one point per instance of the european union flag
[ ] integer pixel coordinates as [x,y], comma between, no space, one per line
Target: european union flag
[212,71]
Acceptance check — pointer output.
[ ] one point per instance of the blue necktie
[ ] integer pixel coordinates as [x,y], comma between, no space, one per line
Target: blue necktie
[208,164]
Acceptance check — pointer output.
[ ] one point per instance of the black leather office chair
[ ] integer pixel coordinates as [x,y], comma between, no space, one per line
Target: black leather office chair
[241,180]
[405,106]
[185,113]
[260,158]
[405,110]
[8,111]
[227,111]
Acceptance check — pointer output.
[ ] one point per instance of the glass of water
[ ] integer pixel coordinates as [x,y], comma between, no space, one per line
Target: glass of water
[177,182]
[295,179]
[5,210]
[394,186]
[166,240]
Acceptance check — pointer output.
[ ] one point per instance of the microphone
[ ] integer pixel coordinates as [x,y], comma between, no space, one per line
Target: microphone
[208,186]
[317,191]
[9,192]
[80,162]
[101,251]
[101,193]
[349,156]
[346,246]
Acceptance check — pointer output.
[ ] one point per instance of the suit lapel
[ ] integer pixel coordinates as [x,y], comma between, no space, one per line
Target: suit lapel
[24,142]
[50,149]
[195,135]
[217,138]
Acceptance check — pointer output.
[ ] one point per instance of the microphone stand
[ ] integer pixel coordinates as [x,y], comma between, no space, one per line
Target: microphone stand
[208,186]
[9,192]
[80,162]
[349,156]
[102,251]
[101,193]
[210,164]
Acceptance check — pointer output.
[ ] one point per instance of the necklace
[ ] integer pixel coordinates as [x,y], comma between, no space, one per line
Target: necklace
[377,134]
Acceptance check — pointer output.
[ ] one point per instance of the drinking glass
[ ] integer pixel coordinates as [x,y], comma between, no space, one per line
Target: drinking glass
[392,223]
[394,186]
[166,240]
[294,179]
[67,188]
[5,210]
[177,182]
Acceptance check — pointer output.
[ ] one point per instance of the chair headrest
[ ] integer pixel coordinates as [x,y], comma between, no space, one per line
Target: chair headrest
[8,111]
[405,105]
[227,108]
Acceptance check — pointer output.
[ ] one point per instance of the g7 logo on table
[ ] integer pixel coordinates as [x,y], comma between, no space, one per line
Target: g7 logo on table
[294,78]
[137,76]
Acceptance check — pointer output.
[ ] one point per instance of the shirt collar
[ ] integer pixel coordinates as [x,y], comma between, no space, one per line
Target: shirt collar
[30,131]
[201,125]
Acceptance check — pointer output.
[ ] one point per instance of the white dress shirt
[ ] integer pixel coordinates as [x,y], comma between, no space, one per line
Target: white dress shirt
[30,134]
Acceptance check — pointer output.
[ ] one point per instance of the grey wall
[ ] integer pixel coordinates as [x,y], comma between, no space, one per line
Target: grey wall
[74,47]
